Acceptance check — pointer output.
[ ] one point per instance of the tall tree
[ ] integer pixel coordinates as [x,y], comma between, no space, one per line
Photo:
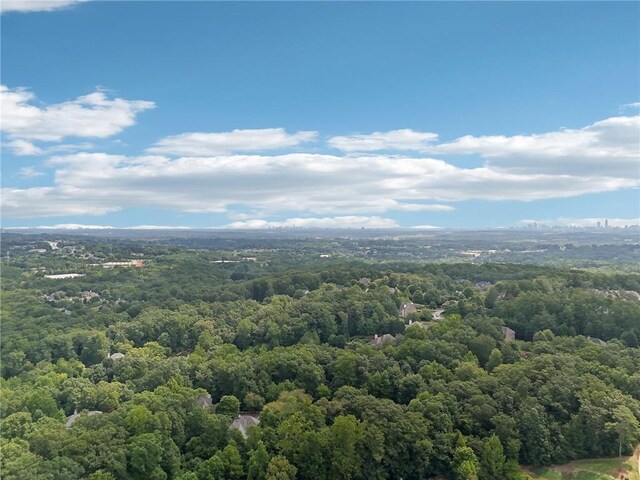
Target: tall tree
[625,425]
[464,464]
[258,462]
[492,460]
[280,469]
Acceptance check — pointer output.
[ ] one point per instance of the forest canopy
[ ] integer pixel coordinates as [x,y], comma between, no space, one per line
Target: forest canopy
[206,364]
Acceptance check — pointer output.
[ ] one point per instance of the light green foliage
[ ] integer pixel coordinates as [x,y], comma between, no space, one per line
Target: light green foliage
[495,359]
[492,460]
[464,464]
[100,476]
[626,426]
[280,469]
[18,462]
[345,440]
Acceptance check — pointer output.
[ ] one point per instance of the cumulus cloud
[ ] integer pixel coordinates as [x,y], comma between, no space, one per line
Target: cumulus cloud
[326,222]
[90,116]
[205,144]
[53,201]
[607,147]
[610,147]
[403,139]
[36,5]
[224,173]
[95,183]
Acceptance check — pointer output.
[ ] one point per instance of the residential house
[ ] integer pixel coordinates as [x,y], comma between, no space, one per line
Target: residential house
[243,421]
[509,335]
[204,401]
[598,341]
[407,309]
[379,340]
[87,296]
[71,419]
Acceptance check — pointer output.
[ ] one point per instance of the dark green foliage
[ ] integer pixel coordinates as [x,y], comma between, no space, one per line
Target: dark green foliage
[289,338]
[228,406]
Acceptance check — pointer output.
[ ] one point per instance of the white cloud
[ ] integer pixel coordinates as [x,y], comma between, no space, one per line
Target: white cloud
[609,147]
[53,201]
[583,222]
[94,115]
[29,172]
[403,139]
[81,226]
[221,173]
[35,5]
[631,105]
[206,144]
[326,222]
[67,148]
[75,226]
[96,183]
[426,227]
[23,148]
[157,227]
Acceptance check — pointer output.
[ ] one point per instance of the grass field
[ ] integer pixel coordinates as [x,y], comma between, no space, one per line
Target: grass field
[593,469]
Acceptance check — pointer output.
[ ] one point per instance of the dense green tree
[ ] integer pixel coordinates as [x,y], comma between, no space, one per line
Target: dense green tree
[144,455]
[228,406]
[280,469]
[492,460]
[345,439]
[537,446]
[288,336]
[494,360]
[100,475]
[258,462]
[626,426]
[464,464]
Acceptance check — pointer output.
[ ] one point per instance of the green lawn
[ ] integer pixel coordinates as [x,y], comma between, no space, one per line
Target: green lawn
[594,469]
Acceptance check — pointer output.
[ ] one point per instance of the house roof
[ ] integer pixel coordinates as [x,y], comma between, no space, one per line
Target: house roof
[71,419]
[204,400]
[382,339]
[244,421]
[407,308]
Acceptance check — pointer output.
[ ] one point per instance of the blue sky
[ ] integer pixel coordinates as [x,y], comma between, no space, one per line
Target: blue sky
[210,114]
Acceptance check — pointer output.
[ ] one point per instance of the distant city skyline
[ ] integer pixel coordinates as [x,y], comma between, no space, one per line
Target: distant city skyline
[320,115]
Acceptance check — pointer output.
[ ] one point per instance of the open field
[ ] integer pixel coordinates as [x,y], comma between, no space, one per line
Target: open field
[592,469]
